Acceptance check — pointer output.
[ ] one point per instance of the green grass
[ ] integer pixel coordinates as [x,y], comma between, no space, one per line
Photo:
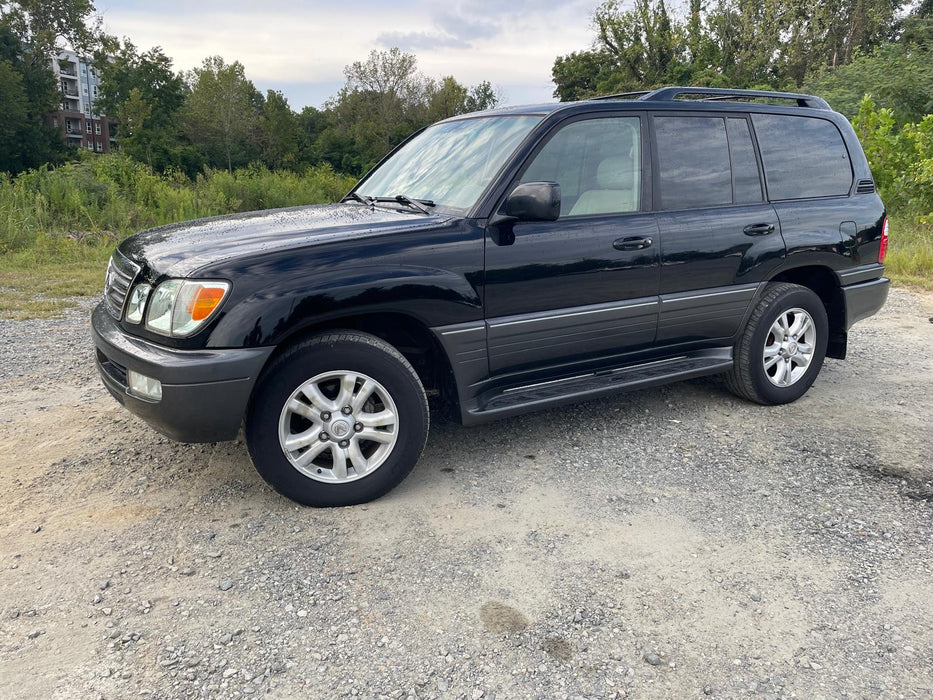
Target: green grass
[58,226]
[42,282]
[910,253]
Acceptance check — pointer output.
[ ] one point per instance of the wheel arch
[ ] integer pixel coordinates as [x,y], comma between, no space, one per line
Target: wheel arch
[823,282]
[406,333]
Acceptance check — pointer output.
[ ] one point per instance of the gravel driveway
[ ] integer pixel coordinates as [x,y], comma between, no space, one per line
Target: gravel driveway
[667,543]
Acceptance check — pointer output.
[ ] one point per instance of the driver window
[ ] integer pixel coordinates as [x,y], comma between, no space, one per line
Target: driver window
[596,162]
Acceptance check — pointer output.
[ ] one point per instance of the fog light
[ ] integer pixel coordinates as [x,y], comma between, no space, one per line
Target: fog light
[144,386]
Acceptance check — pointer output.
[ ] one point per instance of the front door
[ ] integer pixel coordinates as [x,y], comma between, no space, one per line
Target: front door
[584,286]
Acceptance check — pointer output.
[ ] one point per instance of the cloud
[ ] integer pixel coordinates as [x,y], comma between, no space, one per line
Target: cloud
[466,26]
[284,45]
[412,41]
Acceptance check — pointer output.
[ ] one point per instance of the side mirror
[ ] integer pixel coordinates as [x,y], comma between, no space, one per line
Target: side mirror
[534,201]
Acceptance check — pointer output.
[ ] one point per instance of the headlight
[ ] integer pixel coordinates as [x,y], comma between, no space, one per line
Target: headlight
[136,304]
[179,307]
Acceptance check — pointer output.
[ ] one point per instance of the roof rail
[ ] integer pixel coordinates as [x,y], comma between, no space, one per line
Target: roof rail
[623,95]
[723,94]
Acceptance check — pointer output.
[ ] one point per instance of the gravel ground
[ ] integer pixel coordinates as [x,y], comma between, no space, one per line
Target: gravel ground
[668,543]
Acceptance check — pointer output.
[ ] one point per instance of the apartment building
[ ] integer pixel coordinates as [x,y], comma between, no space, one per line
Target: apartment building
[79,122]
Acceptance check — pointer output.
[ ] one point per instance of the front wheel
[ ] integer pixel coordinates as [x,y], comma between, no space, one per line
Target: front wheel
[336,420]
[781,350]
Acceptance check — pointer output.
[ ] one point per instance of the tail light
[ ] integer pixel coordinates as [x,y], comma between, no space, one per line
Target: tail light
[883,249]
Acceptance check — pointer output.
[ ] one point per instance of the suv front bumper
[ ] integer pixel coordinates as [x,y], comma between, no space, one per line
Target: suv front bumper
[204,392]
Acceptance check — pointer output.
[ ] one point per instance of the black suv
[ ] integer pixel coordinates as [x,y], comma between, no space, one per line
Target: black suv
[505,261]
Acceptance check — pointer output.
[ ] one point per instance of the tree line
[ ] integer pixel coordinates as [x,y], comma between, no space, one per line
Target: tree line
[212,116]
[841,49]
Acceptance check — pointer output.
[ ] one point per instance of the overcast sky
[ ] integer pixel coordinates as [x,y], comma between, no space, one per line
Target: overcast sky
[301,48]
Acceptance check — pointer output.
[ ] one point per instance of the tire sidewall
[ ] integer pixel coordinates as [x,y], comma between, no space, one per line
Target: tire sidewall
[796,298]
[287,374]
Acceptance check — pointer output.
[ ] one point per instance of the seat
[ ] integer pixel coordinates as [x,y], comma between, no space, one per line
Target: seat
[615,180]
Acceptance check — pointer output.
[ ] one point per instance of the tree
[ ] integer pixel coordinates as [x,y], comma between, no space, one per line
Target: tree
[384,100]
[43,25]
[394,88]
[578,75]
[735,43]
[221,113]
[898,76]
[144,95]
[27,94]
[311,123]
[278,132]
[482,96]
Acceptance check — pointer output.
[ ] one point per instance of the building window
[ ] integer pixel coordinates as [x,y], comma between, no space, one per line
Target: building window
[90,146]
[99,146]
[87,126]
[97,128]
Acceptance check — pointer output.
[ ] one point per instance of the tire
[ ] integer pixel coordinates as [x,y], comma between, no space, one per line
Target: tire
[769,370]
[307,448]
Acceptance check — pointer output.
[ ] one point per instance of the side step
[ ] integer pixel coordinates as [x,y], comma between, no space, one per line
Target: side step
[501,403]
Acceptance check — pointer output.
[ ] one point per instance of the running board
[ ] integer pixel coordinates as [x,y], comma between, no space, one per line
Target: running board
[501,403]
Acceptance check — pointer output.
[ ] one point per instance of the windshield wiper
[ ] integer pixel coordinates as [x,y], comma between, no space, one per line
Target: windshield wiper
[359,198]
[417,204]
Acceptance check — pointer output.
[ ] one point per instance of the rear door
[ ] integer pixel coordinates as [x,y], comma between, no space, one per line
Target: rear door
[719,236]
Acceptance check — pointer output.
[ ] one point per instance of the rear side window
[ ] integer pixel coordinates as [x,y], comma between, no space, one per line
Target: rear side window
[705,162]
[802,156]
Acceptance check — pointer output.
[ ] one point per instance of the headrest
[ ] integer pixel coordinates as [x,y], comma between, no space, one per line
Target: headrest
[615,174]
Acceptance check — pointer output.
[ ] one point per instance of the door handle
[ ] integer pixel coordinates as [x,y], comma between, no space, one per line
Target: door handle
[759,229]
[631,243]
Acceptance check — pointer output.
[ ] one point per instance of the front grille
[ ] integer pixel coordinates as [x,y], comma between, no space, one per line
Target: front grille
[121,271]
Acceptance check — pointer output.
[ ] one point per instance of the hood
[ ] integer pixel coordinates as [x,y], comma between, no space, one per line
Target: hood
[180,249]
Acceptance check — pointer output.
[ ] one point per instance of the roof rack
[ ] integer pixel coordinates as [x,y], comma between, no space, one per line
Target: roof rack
[722,94]
[623,95]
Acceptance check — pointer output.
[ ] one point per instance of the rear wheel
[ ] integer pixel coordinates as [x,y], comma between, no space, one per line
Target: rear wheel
[781,351]
[338,419]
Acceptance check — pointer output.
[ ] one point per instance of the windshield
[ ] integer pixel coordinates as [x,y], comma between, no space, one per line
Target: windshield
[450,164]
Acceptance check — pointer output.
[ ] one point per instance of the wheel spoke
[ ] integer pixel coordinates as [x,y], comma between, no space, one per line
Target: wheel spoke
[771,361]
[375,436]
[801,360]
[321,402]
[780,327]
[376,420]
[306,458]
[304,410]
[296,441]
[780,373]
[340,461]
[359,462]
[366,390]
[801,325]
[347,385]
